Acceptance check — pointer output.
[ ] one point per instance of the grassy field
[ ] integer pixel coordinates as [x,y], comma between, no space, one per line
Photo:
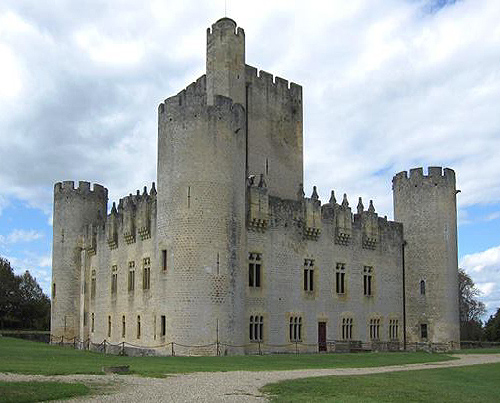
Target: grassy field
[21,356]
[492,350]
[21,392]
[478,383]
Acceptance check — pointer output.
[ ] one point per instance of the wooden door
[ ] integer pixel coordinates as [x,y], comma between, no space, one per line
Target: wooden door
[322,336]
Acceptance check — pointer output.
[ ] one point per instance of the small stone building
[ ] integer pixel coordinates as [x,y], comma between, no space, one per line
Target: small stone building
[229,256]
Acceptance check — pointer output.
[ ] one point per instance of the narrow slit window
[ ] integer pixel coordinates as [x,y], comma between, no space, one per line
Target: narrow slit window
[163,330]
[93,284]
[138,326]
[146,277]
[164,260]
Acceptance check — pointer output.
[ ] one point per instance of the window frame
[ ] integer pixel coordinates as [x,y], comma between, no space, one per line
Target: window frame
[256,328]
[308,278]
[131,276]
[295,328]
[255,270]
[368,281]
[340,285]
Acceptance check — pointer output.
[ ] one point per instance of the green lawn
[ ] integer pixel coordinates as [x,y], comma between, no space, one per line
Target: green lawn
[491,350]
[478,383]
[28,357]
[20,392]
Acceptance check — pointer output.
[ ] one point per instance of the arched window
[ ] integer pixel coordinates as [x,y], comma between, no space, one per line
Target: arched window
[422,287]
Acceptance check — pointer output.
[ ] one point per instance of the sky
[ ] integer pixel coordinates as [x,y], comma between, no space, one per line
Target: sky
[388,85]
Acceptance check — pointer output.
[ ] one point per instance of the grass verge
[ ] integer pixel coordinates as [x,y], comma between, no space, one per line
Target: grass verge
[477,383]
[22,356]
[17,392]
[491,350]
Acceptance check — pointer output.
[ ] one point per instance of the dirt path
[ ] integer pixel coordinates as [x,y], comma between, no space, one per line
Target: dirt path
[237,386]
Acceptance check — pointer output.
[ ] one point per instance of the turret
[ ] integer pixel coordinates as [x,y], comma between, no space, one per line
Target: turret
[426,205]
[76,211]
[201,216]
[226,61]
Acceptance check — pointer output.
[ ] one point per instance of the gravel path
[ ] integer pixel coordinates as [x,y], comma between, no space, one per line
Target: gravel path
[234,386]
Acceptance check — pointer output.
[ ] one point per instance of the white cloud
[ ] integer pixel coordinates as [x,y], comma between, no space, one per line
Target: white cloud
[484,269]
[109,51]
[45,261]
[492,216]
[20,235]
[476,262]
[10,78]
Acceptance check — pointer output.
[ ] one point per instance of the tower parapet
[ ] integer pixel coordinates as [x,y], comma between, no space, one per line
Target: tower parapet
[226,61]
[426,206]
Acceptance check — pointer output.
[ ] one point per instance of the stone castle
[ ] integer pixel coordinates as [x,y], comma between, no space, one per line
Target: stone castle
[229,253]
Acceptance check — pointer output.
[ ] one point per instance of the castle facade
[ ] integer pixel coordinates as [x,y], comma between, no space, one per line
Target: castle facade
[230,254]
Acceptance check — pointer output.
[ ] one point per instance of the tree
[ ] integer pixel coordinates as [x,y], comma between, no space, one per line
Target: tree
[22,301]
[35,305]
[492,327]
[9,295]
[470,308]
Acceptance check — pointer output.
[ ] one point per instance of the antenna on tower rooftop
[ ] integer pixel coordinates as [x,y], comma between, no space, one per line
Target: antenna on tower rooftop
[225,8]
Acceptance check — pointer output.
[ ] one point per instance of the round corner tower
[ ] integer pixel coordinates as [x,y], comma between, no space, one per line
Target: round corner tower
[74,208]
[201,199]
[426,205]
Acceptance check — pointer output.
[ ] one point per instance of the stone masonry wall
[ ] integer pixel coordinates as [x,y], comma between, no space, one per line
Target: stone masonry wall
[426,205]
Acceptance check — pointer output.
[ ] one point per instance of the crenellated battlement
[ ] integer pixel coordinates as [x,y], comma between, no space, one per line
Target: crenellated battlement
[132,200]
[436,175]
[131,218]
[316,220]
[225,26]
[189,105]
[84,188]
[278,85]
[193,95]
